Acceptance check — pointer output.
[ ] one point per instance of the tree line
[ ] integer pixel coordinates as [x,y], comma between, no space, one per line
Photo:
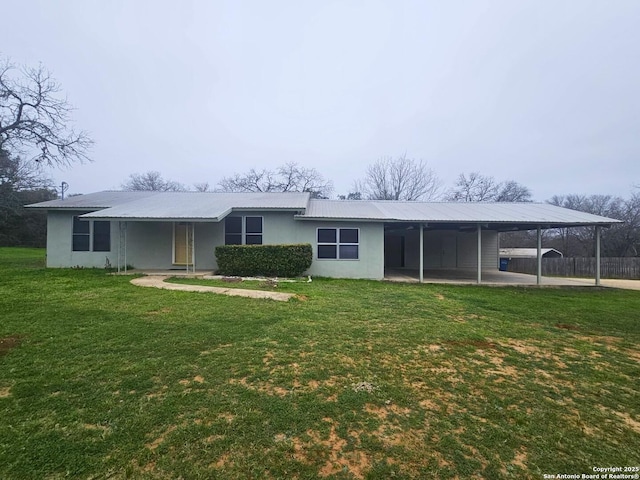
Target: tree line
[36,130]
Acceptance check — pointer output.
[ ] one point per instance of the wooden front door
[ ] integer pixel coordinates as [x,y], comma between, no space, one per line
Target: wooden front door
[183,244]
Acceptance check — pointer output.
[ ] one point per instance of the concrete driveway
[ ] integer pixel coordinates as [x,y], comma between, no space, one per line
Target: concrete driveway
[496,277]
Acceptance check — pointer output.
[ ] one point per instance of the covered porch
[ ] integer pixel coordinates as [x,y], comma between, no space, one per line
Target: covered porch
[463,252]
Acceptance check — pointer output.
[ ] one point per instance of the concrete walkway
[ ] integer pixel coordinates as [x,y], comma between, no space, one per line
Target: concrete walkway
[158,281]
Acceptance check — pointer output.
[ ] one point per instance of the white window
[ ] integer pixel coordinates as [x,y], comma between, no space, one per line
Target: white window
[243,231]
[338,243]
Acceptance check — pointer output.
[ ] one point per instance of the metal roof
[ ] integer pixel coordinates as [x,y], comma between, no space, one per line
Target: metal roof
[451,212]
[175,205]
[93,200]
[201,206]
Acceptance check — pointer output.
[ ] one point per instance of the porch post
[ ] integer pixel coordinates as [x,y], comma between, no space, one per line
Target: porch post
[193,247]
[125,247]
[539,257]
[421,274]
[119,243]
[186,246]
[598,231]
[479,253]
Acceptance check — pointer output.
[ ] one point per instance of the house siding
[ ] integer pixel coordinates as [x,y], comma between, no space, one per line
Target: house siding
[370,263]
[59,243]
[283,228]
[451,249]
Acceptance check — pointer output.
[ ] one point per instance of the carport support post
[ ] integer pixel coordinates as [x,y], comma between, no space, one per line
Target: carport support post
[421,273]
[598,231]
[479,253]
[539,257]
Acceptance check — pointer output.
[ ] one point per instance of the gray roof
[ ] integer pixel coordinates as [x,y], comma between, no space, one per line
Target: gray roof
[175,205]
[93,201]
[524,214]
[202,206]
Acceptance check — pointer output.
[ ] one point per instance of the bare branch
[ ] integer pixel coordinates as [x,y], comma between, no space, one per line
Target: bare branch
[481,188]
[289,177]
[399,179]
[151,181]
[34,118]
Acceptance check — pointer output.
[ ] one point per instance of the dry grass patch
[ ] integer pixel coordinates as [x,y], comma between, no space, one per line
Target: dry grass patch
[9,343]
[329,450]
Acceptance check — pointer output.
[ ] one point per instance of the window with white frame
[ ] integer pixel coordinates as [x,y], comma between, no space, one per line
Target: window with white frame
[338,243]
[91,236]
[243,230]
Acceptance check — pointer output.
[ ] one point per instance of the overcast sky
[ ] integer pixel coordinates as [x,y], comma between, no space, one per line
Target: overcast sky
[546,93]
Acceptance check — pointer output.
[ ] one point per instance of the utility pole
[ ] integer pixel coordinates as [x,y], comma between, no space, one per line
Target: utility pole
[64,186]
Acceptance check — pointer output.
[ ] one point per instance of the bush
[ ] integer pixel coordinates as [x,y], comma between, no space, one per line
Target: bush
[267,260]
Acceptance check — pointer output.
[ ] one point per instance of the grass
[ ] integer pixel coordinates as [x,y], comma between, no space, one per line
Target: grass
[359,379]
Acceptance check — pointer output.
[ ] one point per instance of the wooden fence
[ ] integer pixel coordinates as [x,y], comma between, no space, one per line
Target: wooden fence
[611,267]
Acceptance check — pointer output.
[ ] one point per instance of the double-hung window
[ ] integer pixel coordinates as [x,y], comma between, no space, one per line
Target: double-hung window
[91,236]
[338,243]
[243,231]
[81,235]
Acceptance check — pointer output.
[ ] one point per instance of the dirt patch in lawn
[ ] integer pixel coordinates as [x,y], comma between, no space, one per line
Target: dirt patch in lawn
[158,441]
[5,392]
[331,448]
[9,343]
[474,343]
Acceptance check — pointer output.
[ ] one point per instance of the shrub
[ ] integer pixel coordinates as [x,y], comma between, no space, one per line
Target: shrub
[267,260]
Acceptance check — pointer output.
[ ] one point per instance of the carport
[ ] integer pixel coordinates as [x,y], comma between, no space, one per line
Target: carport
[451,240]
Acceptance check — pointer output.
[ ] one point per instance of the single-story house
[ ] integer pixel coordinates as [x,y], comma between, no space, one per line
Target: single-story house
[350,238]
[529,253]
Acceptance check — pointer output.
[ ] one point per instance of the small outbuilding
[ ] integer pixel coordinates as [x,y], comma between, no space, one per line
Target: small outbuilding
[510,253]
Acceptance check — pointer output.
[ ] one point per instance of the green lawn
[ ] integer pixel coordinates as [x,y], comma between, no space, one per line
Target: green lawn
[356,379]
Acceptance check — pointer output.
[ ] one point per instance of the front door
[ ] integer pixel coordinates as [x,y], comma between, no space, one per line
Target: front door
[183,244]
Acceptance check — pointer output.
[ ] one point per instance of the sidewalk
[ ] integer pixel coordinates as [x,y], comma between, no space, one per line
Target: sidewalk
[158,281]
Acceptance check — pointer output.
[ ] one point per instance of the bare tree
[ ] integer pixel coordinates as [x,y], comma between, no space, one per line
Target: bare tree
[399,179]
[202,187]
[618,241]
[151,181]
[34,117]
[482,188]
[290,177]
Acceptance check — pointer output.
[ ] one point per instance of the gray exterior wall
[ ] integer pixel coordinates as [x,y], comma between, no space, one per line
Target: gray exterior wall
[450,249]
[282,228]
[59,243]
[149,245]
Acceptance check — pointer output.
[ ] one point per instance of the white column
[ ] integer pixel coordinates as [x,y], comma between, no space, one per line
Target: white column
[119,244]
[539,257]
[598,230]
[193,247]
[421,274]
[479,253]
[125,247]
